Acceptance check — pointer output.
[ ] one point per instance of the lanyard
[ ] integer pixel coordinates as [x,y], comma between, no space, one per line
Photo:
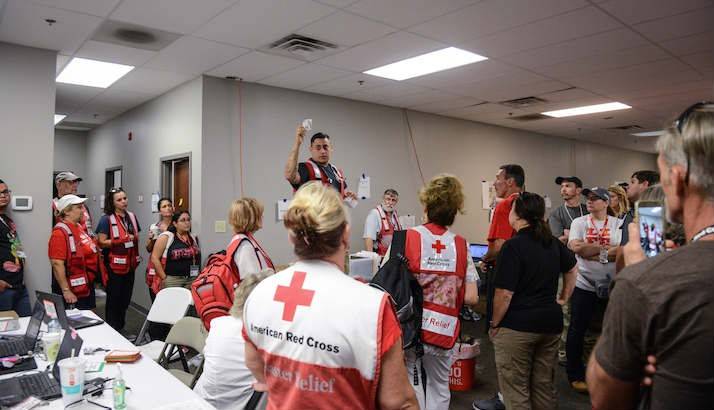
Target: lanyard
[10,228]
[599,231]
[190,246]
[580,207]
[126,225]
[709,230]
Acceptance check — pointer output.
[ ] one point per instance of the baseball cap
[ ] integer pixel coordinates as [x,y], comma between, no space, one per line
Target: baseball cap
[602,193]
[578,183]
[68,200]
[67,176]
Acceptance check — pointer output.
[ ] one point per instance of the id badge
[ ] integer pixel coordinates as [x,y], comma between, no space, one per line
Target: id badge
[129,244]
[77,282]
[603,256]
[194,271]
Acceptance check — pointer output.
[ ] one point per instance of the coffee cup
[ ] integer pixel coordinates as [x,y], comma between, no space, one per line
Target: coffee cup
[71,379]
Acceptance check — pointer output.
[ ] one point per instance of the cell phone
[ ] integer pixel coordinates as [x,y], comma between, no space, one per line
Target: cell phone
[652,223]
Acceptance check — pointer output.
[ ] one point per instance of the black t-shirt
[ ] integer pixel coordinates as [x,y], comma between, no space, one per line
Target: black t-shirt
[181,256]
[531,270]
[327,170]
[11,266]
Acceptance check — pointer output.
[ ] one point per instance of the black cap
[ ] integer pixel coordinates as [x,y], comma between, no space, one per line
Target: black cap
[601,193]
[578,183]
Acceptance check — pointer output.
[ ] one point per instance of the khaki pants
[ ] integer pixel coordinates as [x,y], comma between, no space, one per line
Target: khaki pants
[526,369]
[178,282]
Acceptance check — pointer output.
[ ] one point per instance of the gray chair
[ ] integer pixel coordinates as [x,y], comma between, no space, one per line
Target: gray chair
[187,332]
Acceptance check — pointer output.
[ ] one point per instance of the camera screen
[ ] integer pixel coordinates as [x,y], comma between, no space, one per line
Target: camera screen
[651,221]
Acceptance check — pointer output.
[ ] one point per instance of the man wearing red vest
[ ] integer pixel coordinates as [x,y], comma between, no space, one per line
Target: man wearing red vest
[381,223]
[317,167]
[67,183]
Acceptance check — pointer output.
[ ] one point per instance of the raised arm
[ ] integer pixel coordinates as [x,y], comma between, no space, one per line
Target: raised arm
[291,167]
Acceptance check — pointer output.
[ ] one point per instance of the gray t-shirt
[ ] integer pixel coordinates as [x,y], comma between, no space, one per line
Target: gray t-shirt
[664,306]
[561,218]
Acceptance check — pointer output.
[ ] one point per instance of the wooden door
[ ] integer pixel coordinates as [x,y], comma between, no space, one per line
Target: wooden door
[181,185]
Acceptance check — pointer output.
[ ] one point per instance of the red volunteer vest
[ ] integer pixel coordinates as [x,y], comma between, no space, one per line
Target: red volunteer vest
[79,277]
[387,226]
[314,173]
[263,259]
[123,254]
[320,346]
[438,261]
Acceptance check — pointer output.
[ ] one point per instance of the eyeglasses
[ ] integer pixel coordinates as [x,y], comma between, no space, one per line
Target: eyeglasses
[6,192]
[681,121]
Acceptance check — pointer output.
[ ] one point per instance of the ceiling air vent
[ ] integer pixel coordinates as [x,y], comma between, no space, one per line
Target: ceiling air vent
[631,127]
[526,102]
[304,48]
[131,35]
[529,117]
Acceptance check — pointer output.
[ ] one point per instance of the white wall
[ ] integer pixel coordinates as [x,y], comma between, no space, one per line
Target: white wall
[27,98]
[70,153]
[166,126]
[374,139]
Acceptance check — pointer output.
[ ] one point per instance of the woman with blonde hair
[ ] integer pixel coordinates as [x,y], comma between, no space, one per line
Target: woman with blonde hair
[316,338]
[440,261]
[246,217]
[618,201]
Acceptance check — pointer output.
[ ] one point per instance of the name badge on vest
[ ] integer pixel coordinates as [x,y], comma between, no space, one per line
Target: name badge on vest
[194,271]
[152,272]
[129,244]
[77,281]
[120,261]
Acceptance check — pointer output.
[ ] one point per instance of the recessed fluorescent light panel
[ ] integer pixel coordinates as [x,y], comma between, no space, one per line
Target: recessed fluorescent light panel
[588,109]
[649,133]
[59,118]
[428,63]
[92,73]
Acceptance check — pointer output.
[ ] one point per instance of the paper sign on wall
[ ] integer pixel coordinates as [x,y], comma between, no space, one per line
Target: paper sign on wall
[155,202]
[488,194]
[548,202]
[282,208]
[363,189]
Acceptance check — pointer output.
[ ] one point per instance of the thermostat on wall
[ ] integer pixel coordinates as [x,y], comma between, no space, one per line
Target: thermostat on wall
[21,203]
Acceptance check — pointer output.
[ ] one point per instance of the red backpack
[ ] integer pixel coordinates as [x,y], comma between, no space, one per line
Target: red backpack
[213,289]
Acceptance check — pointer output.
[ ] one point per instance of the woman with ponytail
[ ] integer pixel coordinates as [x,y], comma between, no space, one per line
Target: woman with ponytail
[527,314]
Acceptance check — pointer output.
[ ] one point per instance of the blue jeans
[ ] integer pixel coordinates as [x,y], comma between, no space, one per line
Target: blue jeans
[17,300]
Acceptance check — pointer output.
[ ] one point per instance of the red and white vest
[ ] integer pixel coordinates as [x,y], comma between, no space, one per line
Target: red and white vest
[263,259]
[438,261]
[152,279]
[80,277]
[387,226]
[85,223]
[314,174]
[124,253]
[320,346]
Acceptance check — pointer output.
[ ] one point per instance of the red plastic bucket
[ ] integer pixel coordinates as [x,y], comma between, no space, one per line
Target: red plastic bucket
[461,376]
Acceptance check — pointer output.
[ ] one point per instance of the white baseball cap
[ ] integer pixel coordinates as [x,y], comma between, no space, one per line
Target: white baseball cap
[68,200]
[67,176]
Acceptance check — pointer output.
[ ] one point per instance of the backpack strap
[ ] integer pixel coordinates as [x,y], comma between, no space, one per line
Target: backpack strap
[399,241]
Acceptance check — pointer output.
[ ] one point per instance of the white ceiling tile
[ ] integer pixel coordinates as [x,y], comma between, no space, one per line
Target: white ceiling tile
[257,23]
[666,90]
[88,117]
[567,26]
[426,97]
[24,23]
[490,16]
[349,84]
[510,79]
[690,44]
[700,60]
[681,25]
[146,81]
[304,76]
[596,44]
[61,62]
[337,3]
[573,94]
[71,97]
[637,11]
[194,55]
[454,78]
[346,29]
[484,110]
[255,66]
[100,8]
[178,16]
[446,105]
[387,92]
[394,47]
[116,100]
[405,13]
[114,53]
[488,91]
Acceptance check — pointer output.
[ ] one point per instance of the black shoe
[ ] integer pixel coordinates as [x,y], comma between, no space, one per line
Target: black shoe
[491,404]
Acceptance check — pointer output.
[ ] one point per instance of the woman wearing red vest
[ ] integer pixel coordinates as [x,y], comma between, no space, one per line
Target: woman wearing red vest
[246,217]
[165,207]
[441,263]
[176,257]
[118,236]
[73,255]
[315,338]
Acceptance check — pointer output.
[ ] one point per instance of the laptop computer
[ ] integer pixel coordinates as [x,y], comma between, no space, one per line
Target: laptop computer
[21,345]
[54,305]
[42,385]
[477,251]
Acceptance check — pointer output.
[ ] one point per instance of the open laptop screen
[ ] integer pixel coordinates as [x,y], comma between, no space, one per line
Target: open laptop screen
[477,250]
[33,328]
[71,344]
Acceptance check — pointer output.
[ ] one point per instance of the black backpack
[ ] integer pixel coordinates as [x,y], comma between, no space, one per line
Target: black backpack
[405,292]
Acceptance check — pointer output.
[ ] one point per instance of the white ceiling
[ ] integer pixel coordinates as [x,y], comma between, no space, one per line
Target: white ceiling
[656,55]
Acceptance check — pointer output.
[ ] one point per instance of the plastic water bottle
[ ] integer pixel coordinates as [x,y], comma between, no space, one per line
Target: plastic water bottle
[119,389]
[54,326]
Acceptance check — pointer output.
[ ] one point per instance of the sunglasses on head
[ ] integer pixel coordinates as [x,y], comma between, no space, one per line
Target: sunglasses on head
[681,121]
[115,190]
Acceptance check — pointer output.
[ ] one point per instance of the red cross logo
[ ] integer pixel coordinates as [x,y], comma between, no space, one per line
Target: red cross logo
[438,246]
[293,295]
